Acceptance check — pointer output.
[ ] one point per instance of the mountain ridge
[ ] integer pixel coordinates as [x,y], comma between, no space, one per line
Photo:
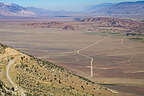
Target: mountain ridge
[11,9]
[122,9]
[119,9]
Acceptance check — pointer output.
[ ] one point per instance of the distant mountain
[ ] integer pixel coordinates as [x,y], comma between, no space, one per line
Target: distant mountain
[39,11]
[10,9]
[123,8]
[96,8]
[46,12]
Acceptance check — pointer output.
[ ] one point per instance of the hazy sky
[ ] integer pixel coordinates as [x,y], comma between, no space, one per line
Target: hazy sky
[62,4]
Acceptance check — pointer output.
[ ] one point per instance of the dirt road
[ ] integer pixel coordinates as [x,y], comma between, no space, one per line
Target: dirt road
[10,80]
[87,56]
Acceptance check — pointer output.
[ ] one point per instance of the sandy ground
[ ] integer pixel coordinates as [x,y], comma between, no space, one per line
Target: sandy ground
[116,60]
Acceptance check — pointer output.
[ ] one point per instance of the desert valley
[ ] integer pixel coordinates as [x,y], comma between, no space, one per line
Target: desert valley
[78,55]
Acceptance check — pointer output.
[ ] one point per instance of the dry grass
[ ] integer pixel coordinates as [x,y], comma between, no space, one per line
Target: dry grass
[41,78]
[115,61]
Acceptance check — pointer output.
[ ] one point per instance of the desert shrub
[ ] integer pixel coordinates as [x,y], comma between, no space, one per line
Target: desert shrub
[82,87]
[86,83]
[85,79]
[59,82]
[3,46]
[11,58]
[22,66]
[22,58]
[105,88]
[0,69]
[28,94]
[99,93]
[92,95]
[2,50]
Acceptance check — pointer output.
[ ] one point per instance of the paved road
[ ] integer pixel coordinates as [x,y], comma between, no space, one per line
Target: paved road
[10,80]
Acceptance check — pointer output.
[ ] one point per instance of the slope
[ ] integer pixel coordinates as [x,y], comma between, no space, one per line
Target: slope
[125,9]
[8,9]
[35,77]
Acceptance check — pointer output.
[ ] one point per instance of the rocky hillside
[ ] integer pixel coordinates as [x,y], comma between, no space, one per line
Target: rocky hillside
[130,25]
[100,24]
[35,77]
[115,22]
[5,91]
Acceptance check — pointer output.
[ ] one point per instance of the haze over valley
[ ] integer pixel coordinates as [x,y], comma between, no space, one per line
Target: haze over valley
[95,51]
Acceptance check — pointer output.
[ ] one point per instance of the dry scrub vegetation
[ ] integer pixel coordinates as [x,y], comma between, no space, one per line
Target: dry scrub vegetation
[42,78]
[58,41]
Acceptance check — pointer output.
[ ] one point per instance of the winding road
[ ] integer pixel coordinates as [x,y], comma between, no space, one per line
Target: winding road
[92,58]
[10,80]
[77,52]
[131,57]
[87,56]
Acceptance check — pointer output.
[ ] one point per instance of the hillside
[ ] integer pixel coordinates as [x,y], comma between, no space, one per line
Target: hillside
[30,76]
[124,9]
[95,23]
[114,22]
[8,9]
[5,91]
[12,9]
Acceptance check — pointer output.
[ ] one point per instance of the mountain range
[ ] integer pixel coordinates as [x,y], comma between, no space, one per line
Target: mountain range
[123,8]
[107,9]
[10,9]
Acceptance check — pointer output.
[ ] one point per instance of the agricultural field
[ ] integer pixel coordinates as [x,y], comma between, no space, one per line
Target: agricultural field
[116,59]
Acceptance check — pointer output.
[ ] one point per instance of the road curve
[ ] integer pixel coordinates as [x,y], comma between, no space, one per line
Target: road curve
[89,57]
[131,57]
[10,80]
[77,52]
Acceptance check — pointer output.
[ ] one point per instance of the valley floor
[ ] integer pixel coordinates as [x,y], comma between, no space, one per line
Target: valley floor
[117,61]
